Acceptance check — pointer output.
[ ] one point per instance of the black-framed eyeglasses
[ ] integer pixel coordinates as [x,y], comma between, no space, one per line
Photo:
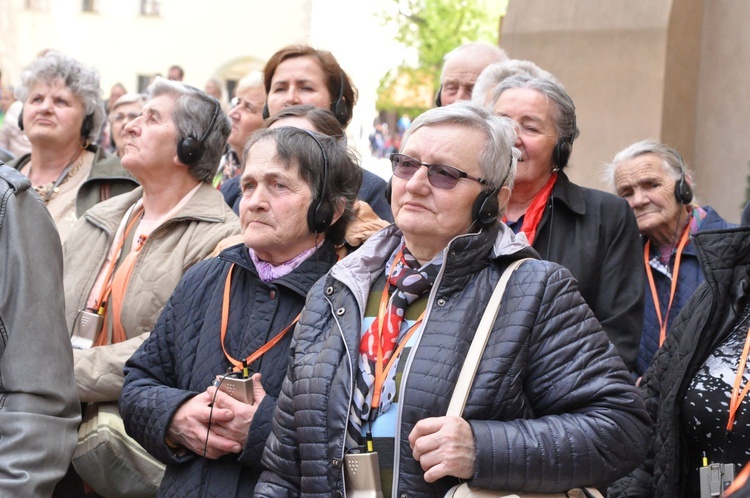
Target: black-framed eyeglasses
[439,175]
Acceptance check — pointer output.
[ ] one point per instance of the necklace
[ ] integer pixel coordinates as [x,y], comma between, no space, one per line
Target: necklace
[47,191]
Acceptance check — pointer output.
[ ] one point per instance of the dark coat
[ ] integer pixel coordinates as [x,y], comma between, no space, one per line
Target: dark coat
[706,320]
[690,276]
[183,355]
[594,235]
[551,399]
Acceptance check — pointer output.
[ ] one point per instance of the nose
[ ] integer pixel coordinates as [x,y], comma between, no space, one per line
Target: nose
[638,199]
[420,182]
[132,127]
[46,105]
[291,97]
[464,93]
[234,113]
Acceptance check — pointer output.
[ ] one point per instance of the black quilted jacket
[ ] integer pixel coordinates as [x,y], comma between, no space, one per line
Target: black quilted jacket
[552,405]
[703,324]
[183,355]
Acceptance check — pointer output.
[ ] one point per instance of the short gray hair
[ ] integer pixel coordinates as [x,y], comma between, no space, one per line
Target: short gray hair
[474,50]
[498,157]
[192,116]
[82,81]
[563,109]
[493,74]
[672,161]
[254,79]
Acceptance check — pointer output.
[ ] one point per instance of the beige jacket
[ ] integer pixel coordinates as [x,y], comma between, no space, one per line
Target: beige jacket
[169,251]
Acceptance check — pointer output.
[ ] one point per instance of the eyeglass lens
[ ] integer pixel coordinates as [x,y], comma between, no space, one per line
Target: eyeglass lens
[439,175]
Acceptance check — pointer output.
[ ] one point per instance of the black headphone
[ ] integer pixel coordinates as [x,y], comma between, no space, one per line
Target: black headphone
[320,212]
[87,126]
[438,99]
[683,192]
[338,106]
[561,154]
[189,149]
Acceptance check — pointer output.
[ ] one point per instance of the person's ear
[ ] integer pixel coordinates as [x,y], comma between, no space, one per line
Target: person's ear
[338,210]
[503,197]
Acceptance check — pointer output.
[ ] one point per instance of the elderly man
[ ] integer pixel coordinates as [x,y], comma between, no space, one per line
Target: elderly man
[236,313]
[126,255]
[652,177]
[461,68]
[39,409]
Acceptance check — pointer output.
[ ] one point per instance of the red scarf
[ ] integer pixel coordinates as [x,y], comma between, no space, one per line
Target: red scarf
[534,212]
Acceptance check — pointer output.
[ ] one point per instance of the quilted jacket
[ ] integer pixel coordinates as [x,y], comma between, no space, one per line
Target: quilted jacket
[172,248]
[39,409]
[594,235]
[689,277]
[183,356]
[708,317]
[552,405]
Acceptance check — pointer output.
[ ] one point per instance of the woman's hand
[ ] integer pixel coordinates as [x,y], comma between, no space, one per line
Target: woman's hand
[444,446]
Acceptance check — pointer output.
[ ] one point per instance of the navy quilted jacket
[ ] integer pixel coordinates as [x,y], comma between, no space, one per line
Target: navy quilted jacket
[183,355]
[708,317]
[689,278]
[552,405]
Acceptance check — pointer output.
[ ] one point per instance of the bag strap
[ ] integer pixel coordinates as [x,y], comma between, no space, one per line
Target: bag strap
[471,363]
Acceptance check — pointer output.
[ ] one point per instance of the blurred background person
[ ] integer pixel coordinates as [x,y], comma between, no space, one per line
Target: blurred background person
[126,256]
[461,67]
[591,233]
[62,115]
[12,138]
[382,338]
[246,116]
[652,177]
[6,99]
[117,91]
[290,235]
[39,412]
[215,88]
[124,110]
[175,73]
[694,386]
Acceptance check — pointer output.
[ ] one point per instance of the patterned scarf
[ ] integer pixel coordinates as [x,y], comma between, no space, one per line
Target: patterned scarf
[410,282]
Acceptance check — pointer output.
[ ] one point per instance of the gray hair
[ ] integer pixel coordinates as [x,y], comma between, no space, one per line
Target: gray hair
[253,79]
[192,116]
[129,98]
[82,81]
[493,74]
[672,161]
[295,146]
[497,159]
[563,109]
[474,50]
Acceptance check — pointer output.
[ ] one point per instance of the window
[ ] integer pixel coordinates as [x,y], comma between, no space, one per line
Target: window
[149,7]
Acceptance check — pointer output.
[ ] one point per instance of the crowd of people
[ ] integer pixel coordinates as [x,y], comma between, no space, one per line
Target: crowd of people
[232,298]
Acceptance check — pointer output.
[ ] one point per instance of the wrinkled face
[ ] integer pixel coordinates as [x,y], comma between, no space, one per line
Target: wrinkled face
[649,189]
[246,116]
[151,143]
[273,209]
[118,118]
[459,76]
[52,114]
[430,217]
[299,80]
[536,132]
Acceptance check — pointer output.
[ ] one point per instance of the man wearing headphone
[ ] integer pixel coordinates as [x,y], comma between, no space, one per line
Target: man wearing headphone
[201,391]
[461,68]
[652,177]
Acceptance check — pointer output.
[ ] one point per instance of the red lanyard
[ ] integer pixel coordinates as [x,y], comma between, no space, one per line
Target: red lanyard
[240,365]
[737,395]
[675,273]
[381,372]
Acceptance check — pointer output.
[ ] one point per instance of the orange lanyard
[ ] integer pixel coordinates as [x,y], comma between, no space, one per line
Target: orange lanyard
[381,372]
[107,288]
[737,395]
[676,272]
[241,365]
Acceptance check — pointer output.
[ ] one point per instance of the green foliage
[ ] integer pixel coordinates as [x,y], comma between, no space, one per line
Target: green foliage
[431,29]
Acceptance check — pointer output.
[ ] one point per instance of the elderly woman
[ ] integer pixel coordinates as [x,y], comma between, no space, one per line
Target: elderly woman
[62,115]
[236,312]
[652,177]
[552,406]
[694,386]
[124,110]
[299,74]
[591,233]
[126,255]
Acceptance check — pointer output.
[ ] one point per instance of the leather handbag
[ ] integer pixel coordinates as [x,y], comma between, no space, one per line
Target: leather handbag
[463,386]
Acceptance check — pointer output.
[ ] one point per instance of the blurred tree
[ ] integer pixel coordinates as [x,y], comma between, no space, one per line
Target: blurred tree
[431,29]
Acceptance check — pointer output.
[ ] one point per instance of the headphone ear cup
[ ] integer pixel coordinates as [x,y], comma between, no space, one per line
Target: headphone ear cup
[682,190]
[189,150]
[20,119]
[561,154]
[340,110]
[486,208]
[438,99]
[389,191]
[319,216]
[87,126]
[266,114]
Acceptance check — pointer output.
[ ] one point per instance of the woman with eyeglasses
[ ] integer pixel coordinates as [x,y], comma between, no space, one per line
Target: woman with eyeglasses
[383,336]
[124,110]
